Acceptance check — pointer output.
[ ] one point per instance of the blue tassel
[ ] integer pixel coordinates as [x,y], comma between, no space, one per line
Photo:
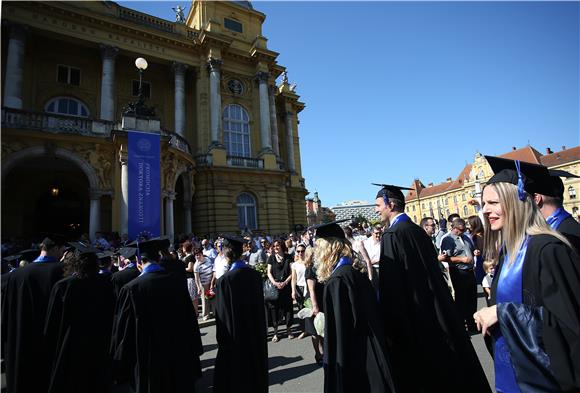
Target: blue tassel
[386,199]
[521,191]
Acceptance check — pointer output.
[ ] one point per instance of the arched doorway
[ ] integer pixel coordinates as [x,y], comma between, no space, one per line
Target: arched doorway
[45,194]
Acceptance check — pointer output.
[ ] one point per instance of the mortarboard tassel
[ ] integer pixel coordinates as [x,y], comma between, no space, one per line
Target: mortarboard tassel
[521,192]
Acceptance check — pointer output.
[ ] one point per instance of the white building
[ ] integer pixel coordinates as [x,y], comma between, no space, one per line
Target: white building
[355,208]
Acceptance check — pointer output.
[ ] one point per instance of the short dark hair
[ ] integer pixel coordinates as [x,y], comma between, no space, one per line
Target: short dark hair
[347,231]
[425,220]
[187,246]
[198,250]
[457,221]
[452,217]
[399,205]
[231,253]
[552,201]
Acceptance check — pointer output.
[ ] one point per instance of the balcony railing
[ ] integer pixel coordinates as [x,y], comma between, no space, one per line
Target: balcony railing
[203,160]
[144,19]
[178,142]
[15,118]
[245,162]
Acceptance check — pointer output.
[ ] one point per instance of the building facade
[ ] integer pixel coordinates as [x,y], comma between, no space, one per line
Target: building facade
[352,209]
[460,195]
[230,154]
[316,213]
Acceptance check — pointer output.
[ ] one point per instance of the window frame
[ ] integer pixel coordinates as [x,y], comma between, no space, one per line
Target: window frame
[244,206]
[80,103]
[68,74]
[245,138]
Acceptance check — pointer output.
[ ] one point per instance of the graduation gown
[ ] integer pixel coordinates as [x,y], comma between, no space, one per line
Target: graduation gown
[354,347]
[24,309]
[122,277]
[545,328]
[242,359]
[78,327]
[570,228]
[156,334]
[429,348]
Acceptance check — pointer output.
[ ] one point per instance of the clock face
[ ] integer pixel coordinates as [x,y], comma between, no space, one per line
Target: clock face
[235,86]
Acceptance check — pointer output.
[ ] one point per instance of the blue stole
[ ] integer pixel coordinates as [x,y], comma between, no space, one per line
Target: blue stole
[509,290]
[153,267]
[129,266]
[238,265]
[556,219]
[45,259]
[402,217]
[341,262]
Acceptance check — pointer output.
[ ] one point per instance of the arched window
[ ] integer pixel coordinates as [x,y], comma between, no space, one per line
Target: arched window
[237,131]
[572,192]
[465,211]
[463,197]
[246,211]
[67,106]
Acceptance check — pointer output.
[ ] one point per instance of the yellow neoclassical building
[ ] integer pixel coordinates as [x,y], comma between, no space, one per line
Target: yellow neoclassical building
[230,153]
[456,195]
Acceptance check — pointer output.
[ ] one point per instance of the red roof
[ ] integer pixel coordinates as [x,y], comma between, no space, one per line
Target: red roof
[561,157]
[526,154]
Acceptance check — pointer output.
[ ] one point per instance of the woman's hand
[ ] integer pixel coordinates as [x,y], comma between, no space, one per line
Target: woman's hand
[293,295]
[486,318]
[315,309]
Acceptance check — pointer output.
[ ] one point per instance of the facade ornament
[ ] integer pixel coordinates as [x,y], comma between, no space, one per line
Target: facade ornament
[262,76]
[179,14]
[285,76]
[214,65]
[108,51]
[98,160]
[169,168]
[293,87]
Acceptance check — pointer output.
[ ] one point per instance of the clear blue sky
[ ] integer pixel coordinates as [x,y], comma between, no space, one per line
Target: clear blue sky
[402,90]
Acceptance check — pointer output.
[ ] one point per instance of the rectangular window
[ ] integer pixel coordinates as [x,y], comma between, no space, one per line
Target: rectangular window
[233,25]
[146,89]
[68,75]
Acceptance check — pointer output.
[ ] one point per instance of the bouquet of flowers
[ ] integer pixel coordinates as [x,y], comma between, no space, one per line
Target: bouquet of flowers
[262,268]
[209,294]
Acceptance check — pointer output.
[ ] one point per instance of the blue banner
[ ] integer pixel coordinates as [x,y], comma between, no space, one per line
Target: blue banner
[144,184]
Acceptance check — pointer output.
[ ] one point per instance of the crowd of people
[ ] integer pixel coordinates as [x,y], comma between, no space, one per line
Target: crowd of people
[398,299]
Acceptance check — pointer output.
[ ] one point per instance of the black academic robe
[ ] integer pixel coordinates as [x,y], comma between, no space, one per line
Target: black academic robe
[78,328]
[242,359]
[424,333]
[550,283]
[120,278]
[157,335]
[570,228]
[24,309]
[354,347]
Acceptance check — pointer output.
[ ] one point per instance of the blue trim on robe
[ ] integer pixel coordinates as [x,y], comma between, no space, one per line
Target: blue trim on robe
[402,217]
[45,259]
[521,327]
[238,265]
[153,267]
[556,219]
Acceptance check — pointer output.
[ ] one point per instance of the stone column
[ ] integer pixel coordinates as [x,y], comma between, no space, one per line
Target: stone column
[290,142]
[15,67]
[215,99]
[187,216]
[108,53]
[265,133]
[274,121]
[179,72]
[169,226]
[124,193]
[94,214]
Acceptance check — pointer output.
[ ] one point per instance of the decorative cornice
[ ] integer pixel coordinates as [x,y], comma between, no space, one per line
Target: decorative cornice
[214,65]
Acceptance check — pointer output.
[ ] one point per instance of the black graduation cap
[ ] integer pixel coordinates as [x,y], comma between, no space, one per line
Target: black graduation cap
[28,255]
[80,248]
[557,189]
[235,243]
[128,252]
[331,229]
[532,178]
[149,249]
[105,254]
[388,191]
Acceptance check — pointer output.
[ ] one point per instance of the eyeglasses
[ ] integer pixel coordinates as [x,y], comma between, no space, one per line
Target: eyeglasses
[300,251]
[377,233]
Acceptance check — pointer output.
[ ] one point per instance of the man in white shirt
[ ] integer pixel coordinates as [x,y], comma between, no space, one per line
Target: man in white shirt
[220,265]
[372,246]
[208,250]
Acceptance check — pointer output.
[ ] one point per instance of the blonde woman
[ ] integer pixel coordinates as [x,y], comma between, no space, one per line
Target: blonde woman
[535,316]
[299,289]
[354,349]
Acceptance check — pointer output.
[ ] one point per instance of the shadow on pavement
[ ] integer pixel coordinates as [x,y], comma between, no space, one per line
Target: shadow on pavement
[280,377]
[277,361]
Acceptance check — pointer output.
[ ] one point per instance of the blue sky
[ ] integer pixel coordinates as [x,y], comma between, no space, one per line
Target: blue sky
[402,90]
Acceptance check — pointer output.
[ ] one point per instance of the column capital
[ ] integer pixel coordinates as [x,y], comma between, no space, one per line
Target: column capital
[108,51]
[262,77]
[18,31]
[96,194]
[171,195]
[214,65]
[123,157]
[178,68]
[289,114]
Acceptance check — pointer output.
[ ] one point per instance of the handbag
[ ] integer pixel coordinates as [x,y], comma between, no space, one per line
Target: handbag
[270,291]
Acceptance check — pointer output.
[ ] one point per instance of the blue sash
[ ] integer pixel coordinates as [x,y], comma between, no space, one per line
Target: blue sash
[238,265]
[341,262]
[129,266]
[509,290]
[45,259]
[402,217]
[556,219]
[153,267]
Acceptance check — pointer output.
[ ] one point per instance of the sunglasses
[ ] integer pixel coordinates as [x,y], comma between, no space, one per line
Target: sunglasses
[300,251]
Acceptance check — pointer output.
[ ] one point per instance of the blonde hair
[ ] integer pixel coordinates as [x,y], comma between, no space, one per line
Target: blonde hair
[488,264]
[328,252]
[521,218]
[309,257]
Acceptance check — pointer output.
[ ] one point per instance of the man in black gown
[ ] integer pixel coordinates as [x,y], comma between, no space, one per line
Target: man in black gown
[550,203]
[130,271]
[155,330]
[24,309]
[242,358]
[429,348]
